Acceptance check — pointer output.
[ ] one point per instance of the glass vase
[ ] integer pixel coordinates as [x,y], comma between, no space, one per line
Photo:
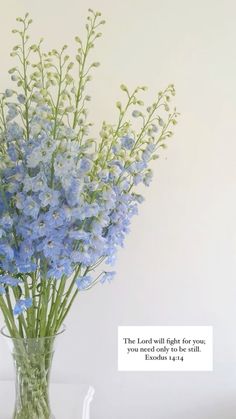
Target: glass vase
[32,360]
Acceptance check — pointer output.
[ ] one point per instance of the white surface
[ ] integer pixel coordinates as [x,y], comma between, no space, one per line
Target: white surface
[179,263]
[67,400]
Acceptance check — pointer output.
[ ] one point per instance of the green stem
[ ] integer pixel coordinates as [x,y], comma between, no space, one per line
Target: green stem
[52,307]
[58,98]
[121,117]
[25,81]
[81,73]
[44,306]
[146,124]
[52,319]
[68,293]
[66,311]
[10,322]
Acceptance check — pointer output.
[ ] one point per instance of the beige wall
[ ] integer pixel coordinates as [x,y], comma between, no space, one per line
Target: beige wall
[178,267]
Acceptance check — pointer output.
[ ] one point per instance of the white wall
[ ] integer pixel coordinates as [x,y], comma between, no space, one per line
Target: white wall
[178,267]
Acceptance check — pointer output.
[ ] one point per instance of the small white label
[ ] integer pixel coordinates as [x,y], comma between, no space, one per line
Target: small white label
[165,348]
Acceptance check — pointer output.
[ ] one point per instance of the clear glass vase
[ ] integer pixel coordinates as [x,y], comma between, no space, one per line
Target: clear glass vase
[32,360]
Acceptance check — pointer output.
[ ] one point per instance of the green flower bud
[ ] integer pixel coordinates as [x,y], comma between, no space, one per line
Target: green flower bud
[70,66]
[124,88]
[136,113]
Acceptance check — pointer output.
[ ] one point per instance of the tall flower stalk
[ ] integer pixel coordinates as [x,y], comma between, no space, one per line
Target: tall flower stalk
[66,199]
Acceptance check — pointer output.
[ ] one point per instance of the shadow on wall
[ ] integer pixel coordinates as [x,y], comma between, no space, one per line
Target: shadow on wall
[224,409]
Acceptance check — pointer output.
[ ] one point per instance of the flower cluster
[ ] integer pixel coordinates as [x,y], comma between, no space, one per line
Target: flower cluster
[66,200]
[61,209]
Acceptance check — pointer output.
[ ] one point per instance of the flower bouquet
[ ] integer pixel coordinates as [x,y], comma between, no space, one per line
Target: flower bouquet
[66,199]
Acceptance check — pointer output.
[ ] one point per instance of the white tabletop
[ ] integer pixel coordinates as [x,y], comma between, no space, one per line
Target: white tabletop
[66,400]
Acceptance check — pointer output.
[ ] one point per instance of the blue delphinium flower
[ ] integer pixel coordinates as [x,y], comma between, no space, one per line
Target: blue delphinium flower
[8,92]
[9,280]
[147,153]
[2,290]
[31,207]
[22,305]
[12,112]
[6,222]
[13,132]
[6,251]
[49,218]
[127,142]
[84,165]
[107,277]
[83,282]
[49,197]
[21,98]
[60,268]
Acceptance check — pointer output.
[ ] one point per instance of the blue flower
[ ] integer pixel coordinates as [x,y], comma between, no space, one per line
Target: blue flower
[55,217]
[148,177]
[22,305]
[138,198]
[62,267]
[49,197]
[6,222]
[84,165]
[138,178]
[8,92]
[9,280]
[72,192]
[7,251]
[12,112]
[52,245]
[25,265]
[127,142]
[136,113]
[147,153]
[31,207]
[39,227]
[107,277]
[14,131]
[83,282]
[26,248]
[21,98]
[38,182]
[2,290]
[154,128]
